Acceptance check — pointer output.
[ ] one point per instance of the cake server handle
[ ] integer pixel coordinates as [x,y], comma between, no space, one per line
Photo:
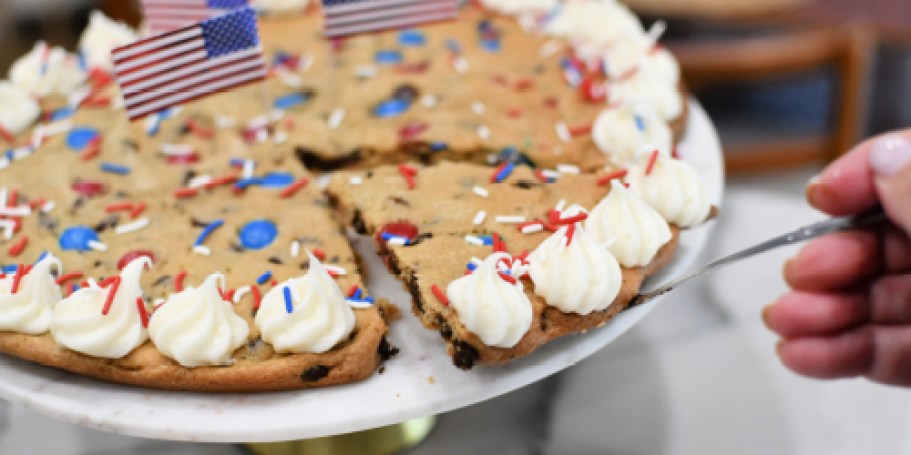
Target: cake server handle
[871,217]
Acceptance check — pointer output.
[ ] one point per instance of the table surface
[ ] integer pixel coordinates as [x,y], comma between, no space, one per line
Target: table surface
[419,381]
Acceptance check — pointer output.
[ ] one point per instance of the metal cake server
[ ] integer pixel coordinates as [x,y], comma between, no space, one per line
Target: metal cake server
[868,218]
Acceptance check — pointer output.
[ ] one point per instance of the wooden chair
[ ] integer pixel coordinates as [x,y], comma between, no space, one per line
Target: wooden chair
[770,48]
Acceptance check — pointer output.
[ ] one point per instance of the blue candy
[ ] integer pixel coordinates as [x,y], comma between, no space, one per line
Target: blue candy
[412,38]
[294,99]
[391,108]
[79,138]
[388,57]
[491,45]
[438,146]
[258,234]
[62,114]
[276,180]
[77,238]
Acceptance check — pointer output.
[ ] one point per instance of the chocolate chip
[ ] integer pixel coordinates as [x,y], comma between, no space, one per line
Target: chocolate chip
[236,248]
[420,238]
[357,222]
[189,175]
[197,223]
[526,184]
[314,160]
[314,373]
[162,280]
[464,355]
[276,260]
[400,201]
[109,222]
[406,92]
[386,350]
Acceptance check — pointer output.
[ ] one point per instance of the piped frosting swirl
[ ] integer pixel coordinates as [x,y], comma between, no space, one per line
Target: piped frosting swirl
[632,231]
[31,308]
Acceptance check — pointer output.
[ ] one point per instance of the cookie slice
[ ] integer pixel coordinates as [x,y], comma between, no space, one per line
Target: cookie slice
[427,226]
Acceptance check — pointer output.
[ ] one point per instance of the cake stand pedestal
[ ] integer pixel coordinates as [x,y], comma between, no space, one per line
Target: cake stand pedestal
[419,382]
[378,441]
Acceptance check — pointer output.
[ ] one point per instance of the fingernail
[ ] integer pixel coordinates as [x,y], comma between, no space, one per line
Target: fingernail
[889,155]
[778,346]
[812,185]
[765,314]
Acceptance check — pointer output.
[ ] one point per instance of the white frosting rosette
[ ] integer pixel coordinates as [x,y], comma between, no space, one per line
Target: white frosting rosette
[31,308]
[101,37]
[47,70]
[79,322]
[521,7]
[626,131]
[579,277]
[632,231]
[647,86]
[673,189]
[495,310]
[595,24]
[19,110]
[314,318]
[196,327]
[280,6]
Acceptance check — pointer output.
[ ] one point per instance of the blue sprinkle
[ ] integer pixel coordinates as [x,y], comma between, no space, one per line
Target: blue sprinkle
[438,146]
[115,168]
[508,154]
[40,258]
[75,287]
[81,60]
[639,123]
[289,305]
[387,237]
[243,184]
[391,108]
[484,26]
[211,227]
[265,277]
[505,172]
[77,238]
[388,57]
[288,101]
[63,113]
[412,38]
[359,294]
[258,234]
[471,266]
[10,268]
[236,162]
[453,46]
[280,58]
[276,180]
[487,239]
[79,138]
[491,45]
[366,300]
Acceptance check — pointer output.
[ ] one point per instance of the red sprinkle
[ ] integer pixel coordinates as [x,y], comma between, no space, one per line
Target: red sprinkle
[352,291]
[572,220]
[118,207]
[569,234]
[68,276]
[184,193]
[19,246]
[99,78]
[89,188]
[493,177]
[114,282]
[37,203]
[551,102]
[508,278]
[143,312]
[593,91]
[580,130]
[408,173]
[294,188]
[413,68]
[92,150]
[498,244]
[133,255]
[225,180]
[675,153]
[137,210]
[439,295]
[12,199]
[228,296]
[522,257]
[21,271]
[320,254]
[513,112]
[274,282]
[178,280]
[539,174]
[199,130]
[612,176]
[412,130]
[553,216]
[188,158]
[7,136]
[257,297]
[524,84]
[651,163]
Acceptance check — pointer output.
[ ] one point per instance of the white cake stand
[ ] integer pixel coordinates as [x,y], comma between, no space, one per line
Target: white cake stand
[420,381]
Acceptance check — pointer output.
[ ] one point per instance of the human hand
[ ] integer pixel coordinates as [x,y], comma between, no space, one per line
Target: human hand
[849,311]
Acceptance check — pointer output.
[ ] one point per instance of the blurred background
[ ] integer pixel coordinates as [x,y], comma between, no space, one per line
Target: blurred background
[790,84]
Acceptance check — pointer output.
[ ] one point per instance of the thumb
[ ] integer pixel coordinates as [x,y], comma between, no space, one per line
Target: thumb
[890,161]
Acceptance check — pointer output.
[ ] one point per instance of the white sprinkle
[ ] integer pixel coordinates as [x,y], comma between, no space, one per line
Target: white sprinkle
[475,260]
[478,108]
[484,132]
[118,102]
[240,293]
[53,129]
[335,269]
[202,250]
[176,149]
[336,117]
[199,181]
[474,240]
[460,64]
[366,71]
[223,122]
[358,305]
[511,219]
[550,173]
[131,227]
[568,169]
[280,137]
[563,132]
[152,122]
[22,210]
[295,249]
[573,78]
[97,246]
[4,163]
[356,180]
[22,152]
[479,218]
[560,205]
[262,136]
[481,191]
[76,98]
[37,136]
[550,48]
[258,122]
[305,62]
[493,159]
[290,79]
[249,168]
[8,226]
[276,115]
[532,228]
[528,22]
[400,241]
[430,101]
[49,206]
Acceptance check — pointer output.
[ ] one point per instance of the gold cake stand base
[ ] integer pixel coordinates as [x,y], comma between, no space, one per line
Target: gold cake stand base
[378,441]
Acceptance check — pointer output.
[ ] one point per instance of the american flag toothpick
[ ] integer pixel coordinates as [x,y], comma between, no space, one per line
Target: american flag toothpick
[165,15]
[349,17]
